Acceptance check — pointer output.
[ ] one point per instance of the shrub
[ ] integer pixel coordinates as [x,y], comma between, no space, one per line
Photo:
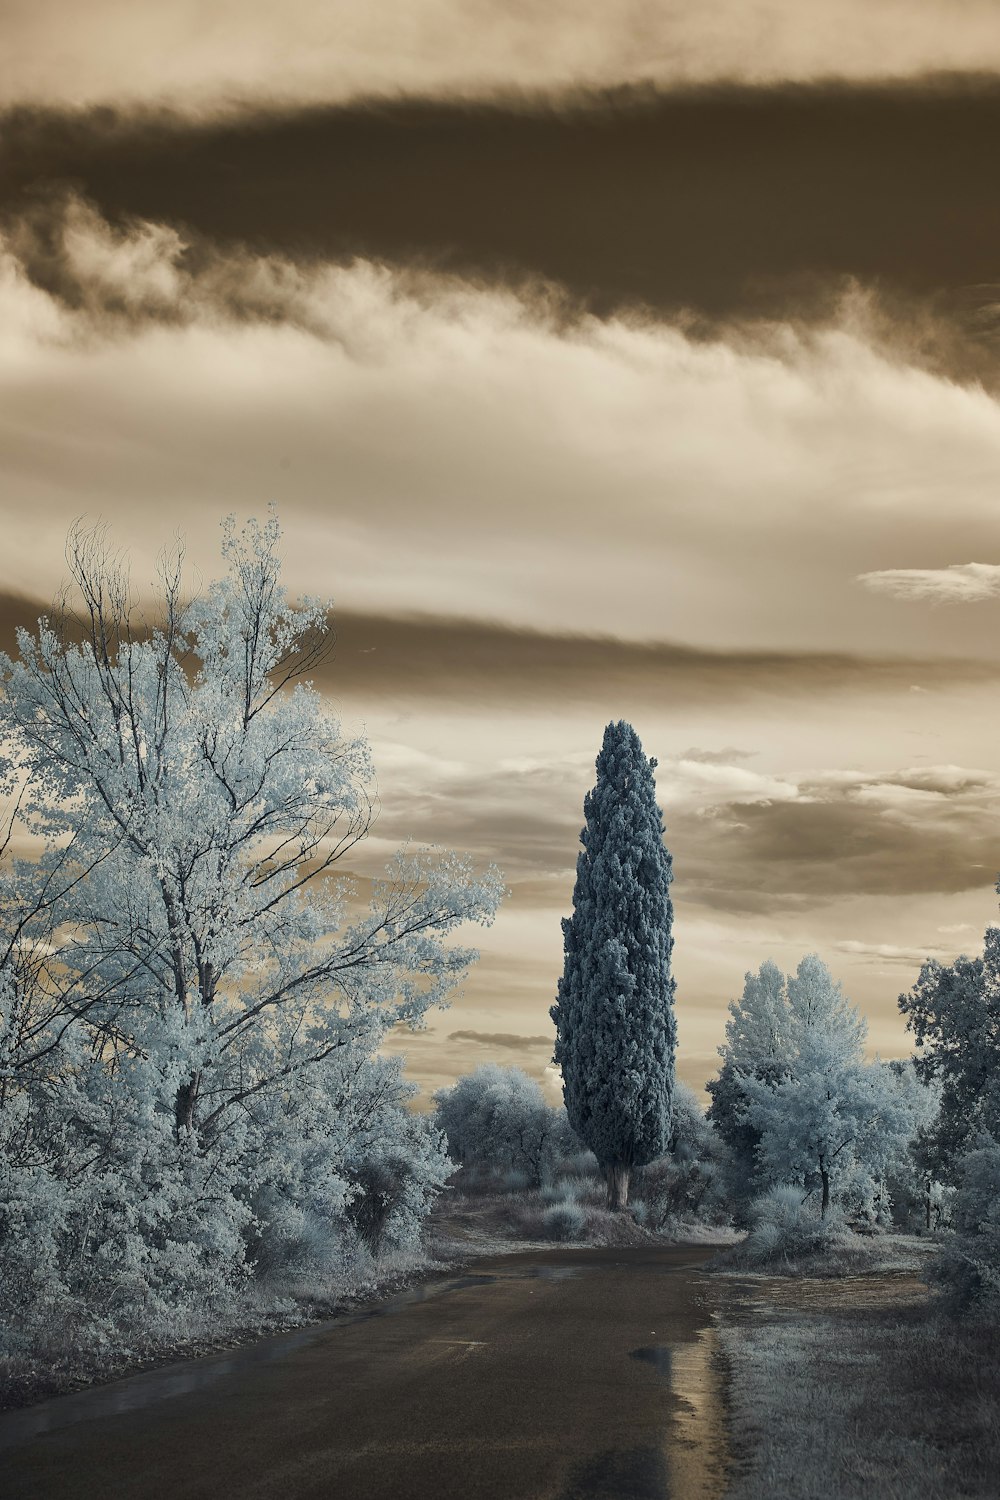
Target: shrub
[968,1268]
[380,1192]
[583,1164]
[564,1221]
[498,1118]
[784,1225]
[688,1179]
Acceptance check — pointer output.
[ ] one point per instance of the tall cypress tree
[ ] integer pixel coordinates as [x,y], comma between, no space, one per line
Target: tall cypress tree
[615,1028]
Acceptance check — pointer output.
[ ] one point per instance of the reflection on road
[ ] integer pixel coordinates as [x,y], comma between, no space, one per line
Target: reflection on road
[698,1457]
[695,1444]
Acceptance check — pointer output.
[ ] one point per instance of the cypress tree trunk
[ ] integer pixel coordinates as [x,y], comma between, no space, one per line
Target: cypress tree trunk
[825,1179]
[617,1176]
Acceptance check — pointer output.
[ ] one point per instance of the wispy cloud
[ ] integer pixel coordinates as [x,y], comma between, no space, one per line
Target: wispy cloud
[889,955]
[959,583]
[727,756]
[508,1040]
[132,359]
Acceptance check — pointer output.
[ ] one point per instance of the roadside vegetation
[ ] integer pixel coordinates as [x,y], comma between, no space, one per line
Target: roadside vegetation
[525,1177]
[872,1389]
[861,1360]
[197,1131]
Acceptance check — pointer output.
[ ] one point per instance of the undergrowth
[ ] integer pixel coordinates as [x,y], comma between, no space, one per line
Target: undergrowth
[896,1401]
[62,1361]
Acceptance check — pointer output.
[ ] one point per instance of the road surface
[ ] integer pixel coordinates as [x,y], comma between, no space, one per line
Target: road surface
[555,1375]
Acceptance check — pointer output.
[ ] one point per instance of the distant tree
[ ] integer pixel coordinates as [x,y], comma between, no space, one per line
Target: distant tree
[968,1268]
[917,1195]
[830,1118]
[953,1011]
[615,1027]
[498,1118]
[756,1046]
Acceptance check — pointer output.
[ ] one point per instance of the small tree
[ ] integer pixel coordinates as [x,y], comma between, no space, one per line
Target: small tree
[615,1027]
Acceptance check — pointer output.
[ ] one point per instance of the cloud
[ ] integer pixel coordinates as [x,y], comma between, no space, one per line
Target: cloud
[144,373]
[223,53]
[908,832]
[482,662]
[726,756]
[709,205]
[959,583]
[769,846]
[889,954]
[505,1039]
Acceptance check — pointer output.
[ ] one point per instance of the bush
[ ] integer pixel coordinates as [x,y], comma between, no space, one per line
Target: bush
[583,1164]
[688,1180]
[784,1225]
[564,1221]
[380,1192]
[968,1268]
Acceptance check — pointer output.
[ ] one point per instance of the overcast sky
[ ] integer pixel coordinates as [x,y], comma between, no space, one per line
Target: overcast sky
[604,361]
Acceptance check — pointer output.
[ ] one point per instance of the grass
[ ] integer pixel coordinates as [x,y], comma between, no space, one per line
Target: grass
[859,1388]
[845,1254]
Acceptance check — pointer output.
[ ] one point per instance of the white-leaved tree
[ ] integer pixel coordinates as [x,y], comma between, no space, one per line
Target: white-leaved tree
[822,1116]
[756,1045]
[192,993]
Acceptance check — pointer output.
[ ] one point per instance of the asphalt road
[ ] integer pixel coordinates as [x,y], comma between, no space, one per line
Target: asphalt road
[556,1375]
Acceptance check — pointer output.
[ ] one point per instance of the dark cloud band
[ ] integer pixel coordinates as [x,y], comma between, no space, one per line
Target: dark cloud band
[724,200]
[482,662]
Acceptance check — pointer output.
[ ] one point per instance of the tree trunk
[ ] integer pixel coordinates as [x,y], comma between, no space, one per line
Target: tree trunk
[184,1103]
[927,1204]
[825,1179]
[617,1176]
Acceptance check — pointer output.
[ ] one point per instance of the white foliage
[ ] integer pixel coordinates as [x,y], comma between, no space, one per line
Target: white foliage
[191,996]
[822,1116]
[785,1222]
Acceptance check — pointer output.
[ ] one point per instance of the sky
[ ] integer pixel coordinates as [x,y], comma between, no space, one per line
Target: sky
[604,361]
